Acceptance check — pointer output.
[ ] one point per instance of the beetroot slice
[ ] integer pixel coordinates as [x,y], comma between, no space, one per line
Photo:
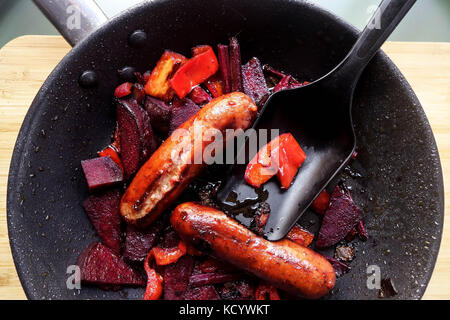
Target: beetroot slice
[288,82]
[235,65]
[159,113]
[238,290]
[176,278]
[340,218]
[137,142]
[203,279]
[202,293]
[139,242]
[253,80]
[101,172]
[103,211]
[199,96]
[223,56]
[182,111]
[102,267]
[339,267]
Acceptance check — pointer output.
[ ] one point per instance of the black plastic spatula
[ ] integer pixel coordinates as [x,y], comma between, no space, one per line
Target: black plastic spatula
[318,115]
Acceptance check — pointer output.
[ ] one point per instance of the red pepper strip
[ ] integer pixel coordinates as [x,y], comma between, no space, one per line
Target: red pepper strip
[123,90]
[154,281]
[300,236]
[283,156]
[164,256]
[265,291]
[158,84]
[110,152]
[321,203]
[194,72]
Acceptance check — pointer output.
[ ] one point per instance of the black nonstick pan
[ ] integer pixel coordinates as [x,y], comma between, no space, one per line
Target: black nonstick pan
[397,176]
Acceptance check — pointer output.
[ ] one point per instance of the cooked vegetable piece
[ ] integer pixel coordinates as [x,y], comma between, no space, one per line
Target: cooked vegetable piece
[138,93]
[341,217]
[301,236]
[288,82]
[165,256]
[203,279]
[362,231]
[158,85]
[100,266]
[215,86]
[104,213]
[137,142]
[320,204]
[339,267]
[266,292]
[123,90]
[101,173]
[199,96]
[235,65]
[176,278]
[139,242]
[283,156]
[202,293]
[159,113]
[224,66]
[194,72]
[154,287]
[110,151]
[182,111]
[238,290]
[253,80]
[274,72]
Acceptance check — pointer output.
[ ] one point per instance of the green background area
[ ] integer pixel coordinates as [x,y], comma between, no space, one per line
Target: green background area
[429,20]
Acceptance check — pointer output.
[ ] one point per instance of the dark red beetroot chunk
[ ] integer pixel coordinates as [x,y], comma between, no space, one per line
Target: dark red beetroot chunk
[176,278]
[139,242]
[138,93]
[238,290]
[202,293]
[288,82]
[203,279]
[159,113]
[182,111]
[101,172]
[104,212]
[340,218]
[100,266]
[137,142]
[199,96]
[235,65]
[223,56]
[253,80]
[339,267]
[362,231]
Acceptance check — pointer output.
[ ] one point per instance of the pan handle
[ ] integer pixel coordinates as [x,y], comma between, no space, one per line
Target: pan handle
[74,19]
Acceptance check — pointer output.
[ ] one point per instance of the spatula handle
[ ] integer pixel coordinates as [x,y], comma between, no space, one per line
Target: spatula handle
[381,25]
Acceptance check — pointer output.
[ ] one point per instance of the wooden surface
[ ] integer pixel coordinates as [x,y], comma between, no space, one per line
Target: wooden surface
[25,63]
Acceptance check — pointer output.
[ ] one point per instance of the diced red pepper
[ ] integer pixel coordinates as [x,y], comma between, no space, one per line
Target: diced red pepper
[320,204]
[109,151]
[165,256]
[123,90]
[266,292]
[154,280]
[283,156]
[194,72]
[158,85]
[215,85]
[300,236]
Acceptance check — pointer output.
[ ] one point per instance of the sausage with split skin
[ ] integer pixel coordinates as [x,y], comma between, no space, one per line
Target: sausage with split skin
[175,163]
[283,263]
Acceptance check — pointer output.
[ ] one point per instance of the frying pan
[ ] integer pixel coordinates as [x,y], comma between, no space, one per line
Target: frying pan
[396,178]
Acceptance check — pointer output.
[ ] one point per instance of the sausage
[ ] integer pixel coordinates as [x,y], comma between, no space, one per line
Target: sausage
[175,163]
[284,263]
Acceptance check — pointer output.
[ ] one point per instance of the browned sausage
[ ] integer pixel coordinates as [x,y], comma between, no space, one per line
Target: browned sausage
[173,166]
[284,263]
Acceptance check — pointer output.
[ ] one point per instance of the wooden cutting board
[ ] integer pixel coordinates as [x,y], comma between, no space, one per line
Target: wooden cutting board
[26,62]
